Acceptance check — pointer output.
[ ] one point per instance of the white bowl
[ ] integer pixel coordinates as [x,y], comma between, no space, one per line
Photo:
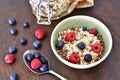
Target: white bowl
[79,21]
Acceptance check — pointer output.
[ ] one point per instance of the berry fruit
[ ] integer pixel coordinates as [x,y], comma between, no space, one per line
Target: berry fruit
[13,31]
[93,31]
[12,49]
[10,58]
[40,34]
[29,57]
[44,68]
[71,36]
[13,76]
[36,63]
[74,58]
[12,21]
[37,55]
[81,45]
[88,57]
[37,44]
[59,44]
[25,24]
[23,41]
[84,28]
[43,60]
[97,48]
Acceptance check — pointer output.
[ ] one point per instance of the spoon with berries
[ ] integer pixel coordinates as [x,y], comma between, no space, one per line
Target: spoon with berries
[38,63]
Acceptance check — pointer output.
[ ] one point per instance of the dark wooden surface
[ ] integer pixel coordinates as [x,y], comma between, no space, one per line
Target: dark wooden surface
[108,11]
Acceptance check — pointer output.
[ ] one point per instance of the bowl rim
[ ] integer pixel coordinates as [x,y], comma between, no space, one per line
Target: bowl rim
[77,66]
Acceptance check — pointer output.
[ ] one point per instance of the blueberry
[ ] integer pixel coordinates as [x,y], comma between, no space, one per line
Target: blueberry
[13,76]
[84,28]
[44,68]
[12,21]
[81,45]
[29,57]
[23,41]
[12,49]
[13,31]
[43,60]
[88,57]
[25,24]
[37,44]
[59,44]
[37,55]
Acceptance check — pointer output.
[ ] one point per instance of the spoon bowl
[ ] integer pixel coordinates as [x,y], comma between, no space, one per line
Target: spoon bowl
[36,71]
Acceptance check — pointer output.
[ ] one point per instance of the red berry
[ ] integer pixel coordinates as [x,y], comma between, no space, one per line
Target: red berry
[36,63]
[40,33]
[93,31]
[10,58]
[70,36]
[97,47]
[74,58]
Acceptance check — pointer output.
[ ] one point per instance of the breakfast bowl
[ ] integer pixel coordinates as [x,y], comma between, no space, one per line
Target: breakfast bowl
[81,34]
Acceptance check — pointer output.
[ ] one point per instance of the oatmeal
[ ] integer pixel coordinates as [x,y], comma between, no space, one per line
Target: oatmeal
[80,45]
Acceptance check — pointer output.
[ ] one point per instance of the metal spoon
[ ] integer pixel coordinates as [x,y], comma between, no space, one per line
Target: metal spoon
[49,71]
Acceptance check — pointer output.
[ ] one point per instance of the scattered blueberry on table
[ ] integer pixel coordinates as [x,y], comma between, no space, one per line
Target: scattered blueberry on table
[23,41]
[13,76]
[12,49]
[26,24]
[13,31]
[12,21]
[36,44]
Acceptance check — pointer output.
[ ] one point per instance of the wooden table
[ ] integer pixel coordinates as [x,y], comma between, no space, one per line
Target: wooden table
[108,11]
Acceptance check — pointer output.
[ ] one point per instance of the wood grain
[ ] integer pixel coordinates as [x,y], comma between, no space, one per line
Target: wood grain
[105,10]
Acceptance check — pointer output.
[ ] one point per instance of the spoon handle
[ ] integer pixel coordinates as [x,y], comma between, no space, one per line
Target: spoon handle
[56,74]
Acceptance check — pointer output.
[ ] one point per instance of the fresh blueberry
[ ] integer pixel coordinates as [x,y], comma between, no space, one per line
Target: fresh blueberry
[88,57]
[84,28]
[12,49]
[43,60]
[23,41]
[13,76]
[29,57]
[37,44]
[12,21]
[13,31]
[81,45]
[25,24]
[59,44]
[37,54]
[44,68]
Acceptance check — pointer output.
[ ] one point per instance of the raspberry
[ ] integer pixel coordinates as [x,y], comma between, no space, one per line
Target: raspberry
[10,58]
[93,31]
[70,36]
[74,58]
[97,47]
[40,33]
[36,63]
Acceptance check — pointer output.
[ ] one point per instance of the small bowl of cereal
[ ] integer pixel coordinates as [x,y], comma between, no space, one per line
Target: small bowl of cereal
[81,42]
